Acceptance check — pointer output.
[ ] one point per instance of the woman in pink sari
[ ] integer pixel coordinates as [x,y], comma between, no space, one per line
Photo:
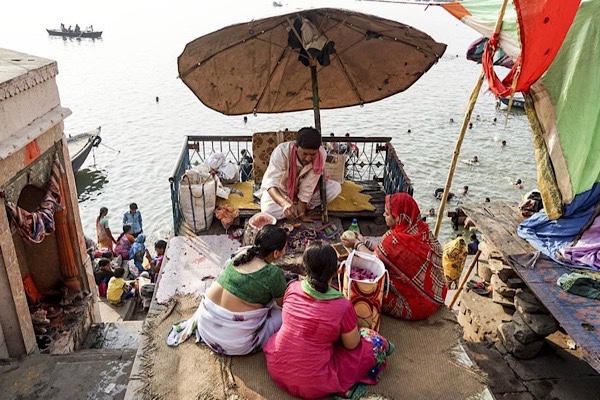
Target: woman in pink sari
[319,349]
[413,258]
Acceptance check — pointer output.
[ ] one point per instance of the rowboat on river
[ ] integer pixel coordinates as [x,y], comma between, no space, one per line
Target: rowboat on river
[72,34]
[80,146]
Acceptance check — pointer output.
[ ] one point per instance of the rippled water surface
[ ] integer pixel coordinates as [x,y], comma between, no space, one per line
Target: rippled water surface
[113,82]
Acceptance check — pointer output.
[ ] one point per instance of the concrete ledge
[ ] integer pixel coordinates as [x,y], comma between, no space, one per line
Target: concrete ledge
[112,313]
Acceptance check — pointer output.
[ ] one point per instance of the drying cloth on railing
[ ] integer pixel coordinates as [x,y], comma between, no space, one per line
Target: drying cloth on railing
[34,226]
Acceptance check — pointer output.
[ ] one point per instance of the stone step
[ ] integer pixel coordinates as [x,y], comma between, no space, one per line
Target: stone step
[112,313]
[480,316]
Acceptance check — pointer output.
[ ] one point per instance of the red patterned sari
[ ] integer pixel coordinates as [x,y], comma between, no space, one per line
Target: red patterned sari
[413,257]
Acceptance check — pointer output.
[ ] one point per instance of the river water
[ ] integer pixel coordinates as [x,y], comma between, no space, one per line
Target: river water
[114,82]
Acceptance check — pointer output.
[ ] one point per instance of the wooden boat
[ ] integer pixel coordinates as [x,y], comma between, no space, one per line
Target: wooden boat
[517,102]
[81,145]
[82,34]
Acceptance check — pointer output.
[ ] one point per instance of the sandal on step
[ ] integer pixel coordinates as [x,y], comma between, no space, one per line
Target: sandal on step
[481,288]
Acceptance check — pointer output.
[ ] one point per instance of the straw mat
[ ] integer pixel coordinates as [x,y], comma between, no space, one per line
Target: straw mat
[428,363]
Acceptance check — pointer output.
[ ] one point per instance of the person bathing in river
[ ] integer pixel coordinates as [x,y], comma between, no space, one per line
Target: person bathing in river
[290,185]
[105,237]
[241,309]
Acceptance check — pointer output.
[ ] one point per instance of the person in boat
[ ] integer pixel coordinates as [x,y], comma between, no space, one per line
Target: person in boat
[246,165]
[124,242]
[241,309]
[413,258]
[91,29]
[290,185]
[105,237]
[133,217]
[69,30]
[320,349]
[77,28]
[62,27]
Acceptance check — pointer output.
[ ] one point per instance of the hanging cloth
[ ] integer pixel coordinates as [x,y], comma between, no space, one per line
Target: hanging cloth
[543,25]
[34,226]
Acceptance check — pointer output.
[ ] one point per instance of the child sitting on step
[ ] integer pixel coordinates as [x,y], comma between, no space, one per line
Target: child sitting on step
[118,290]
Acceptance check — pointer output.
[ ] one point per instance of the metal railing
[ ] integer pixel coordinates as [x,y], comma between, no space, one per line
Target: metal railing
[367,159]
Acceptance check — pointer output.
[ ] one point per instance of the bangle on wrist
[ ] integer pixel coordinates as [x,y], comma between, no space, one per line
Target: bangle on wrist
[357,245]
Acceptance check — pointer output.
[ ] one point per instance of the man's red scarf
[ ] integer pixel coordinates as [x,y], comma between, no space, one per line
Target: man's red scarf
[292,184]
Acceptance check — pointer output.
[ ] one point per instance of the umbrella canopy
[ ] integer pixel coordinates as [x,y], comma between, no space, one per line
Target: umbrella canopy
[265,65]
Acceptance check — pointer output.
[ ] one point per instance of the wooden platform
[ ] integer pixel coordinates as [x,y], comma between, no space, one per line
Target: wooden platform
[578,316]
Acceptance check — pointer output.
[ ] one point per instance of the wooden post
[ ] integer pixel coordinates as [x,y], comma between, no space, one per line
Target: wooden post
[460,288]
[317,113]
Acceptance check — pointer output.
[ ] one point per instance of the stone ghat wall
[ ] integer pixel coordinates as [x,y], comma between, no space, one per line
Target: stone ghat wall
[510,314]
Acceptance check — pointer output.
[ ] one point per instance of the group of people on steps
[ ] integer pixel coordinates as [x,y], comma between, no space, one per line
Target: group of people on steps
[126,256]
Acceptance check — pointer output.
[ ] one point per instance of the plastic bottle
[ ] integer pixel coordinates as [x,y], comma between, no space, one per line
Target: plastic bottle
[354,226]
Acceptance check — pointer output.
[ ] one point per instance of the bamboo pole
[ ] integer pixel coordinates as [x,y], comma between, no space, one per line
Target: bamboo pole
[460,288]
[463,128]
[457,146]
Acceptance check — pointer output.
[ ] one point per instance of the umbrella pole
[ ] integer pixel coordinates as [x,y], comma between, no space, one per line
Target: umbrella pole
[317,112]
[457,147]
[463,128]
[315,92]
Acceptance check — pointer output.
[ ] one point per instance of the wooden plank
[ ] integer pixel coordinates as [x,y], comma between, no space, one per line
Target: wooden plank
[498,223]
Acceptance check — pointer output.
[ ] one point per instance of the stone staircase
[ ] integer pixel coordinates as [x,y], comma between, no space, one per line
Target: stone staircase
[99,371]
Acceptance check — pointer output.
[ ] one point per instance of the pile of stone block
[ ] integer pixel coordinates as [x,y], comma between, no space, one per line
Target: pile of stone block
[531,322]
[513,314]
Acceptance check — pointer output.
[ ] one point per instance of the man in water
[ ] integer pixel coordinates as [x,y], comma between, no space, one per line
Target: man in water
[290,185]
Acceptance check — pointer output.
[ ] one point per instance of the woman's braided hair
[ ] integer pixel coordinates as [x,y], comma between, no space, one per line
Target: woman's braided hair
[268,239]
[320,261]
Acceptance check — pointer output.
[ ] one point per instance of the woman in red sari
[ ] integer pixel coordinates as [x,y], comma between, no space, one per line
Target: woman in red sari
[413,258]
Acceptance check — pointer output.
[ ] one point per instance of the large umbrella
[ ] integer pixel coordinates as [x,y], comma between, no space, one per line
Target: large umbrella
[311,59]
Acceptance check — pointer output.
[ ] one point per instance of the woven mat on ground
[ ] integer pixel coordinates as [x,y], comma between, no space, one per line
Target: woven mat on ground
[350,199]
[428,363]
